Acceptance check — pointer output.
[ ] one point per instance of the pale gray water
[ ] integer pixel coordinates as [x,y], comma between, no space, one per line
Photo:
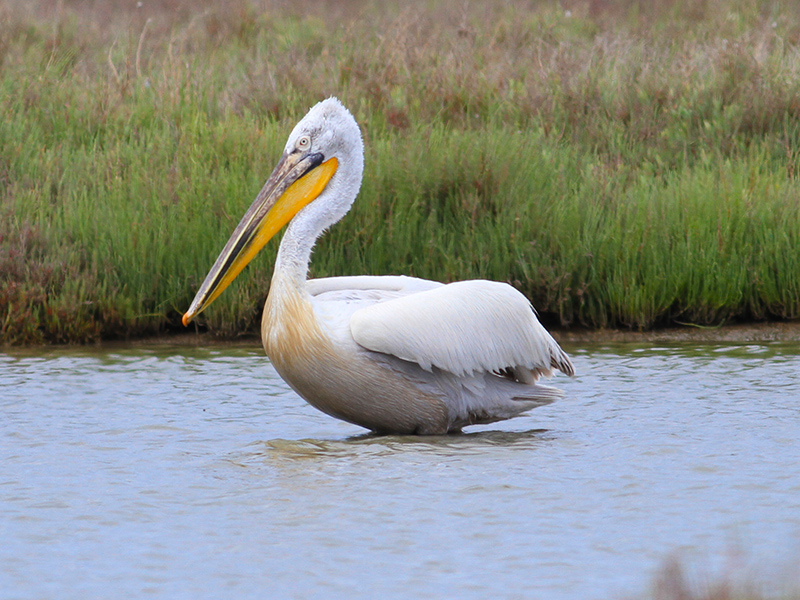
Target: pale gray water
[196,473]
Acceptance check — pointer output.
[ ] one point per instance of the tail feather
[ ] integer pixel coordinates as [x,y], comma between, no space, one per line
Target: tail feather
[559,360]
[539,394]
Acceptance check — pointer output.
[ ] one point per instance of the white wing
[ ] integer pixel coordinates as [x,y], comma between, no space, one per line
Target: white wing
[400,284]
[463,328]
[335,299]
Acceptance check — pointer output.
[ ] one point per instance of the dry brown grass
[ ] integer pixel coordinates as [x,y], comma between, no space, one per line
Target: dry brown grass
[674,582]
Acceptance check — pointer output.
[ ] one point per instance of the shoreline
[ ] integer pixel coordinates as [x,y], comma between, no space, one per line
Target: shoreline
[740,333]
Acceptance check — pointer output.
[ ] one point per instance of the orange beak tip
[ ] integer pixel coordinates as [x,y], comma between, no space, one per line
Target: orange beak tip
[185,320]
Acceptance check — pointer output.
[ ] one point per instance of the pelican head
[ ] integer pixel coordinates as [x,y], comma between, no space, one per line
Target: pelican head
[313,186]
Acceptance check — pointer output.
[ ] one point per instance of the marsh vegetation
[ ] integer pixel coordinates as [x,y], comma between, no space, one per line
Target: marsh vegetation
[622,164]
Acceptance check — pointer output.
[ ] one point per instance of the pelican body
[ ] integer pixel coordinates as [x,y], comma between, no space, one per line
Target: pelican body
[393,354]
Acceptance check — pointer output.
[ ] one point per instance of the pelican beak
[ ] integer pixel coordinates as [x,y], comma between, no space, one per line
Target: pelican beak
[296,181]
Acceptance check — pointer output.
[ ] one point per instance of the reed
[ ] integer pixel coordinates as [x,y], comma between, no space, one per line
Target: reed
[675,579]
[621,165]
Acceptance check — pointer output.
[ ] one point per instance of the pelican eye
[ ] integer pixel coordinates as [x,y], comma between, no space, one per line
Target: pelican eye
[304,143]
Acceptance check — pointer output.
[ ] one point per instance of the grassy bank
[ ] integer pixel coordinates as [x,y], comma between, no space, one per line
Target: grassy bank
[621,165]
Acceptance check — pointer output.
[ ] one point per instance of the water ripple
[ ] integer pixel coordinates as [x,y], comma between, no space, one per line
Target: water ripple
[191,472]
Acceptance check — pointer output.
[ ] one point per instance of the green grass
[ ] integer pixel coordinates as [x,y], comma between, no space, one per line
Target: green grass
[622,166]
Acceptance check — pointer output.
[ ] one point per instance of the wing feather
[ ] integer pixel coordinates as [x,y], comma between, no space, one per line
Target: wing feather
[401,284]
[463,328]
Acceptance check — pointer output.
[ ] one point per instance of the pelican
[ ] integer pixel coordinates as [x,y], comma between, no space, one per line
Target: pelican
[393,354]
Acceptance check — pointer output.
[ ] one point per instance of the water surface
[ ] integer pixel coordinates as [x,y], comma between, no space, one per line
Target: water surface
[180,472]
